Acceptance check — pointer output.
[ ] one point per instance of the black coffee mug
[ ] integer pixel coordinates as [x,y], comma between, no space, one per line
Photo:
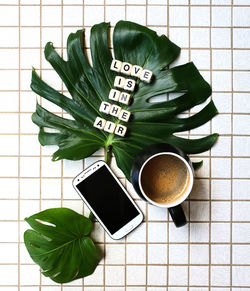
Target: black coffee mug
[142,164]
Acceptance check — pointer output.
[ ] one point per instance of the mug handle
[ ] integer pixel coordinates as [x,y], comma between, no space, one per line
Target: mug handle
[178,215]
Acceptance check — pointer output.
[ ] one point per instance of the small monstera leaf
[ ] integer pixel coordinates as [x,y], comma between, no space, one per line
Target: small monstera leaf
[89,85]
[60,244]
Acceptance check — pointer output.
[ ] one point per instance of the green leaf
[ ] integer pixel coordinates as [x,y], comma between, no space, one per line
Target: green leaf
[197,165]
[60,244]
[89,85]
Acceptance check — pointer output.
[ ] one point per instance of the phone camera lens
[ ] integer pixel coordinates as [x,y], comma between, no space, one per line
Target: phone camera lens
[78,179]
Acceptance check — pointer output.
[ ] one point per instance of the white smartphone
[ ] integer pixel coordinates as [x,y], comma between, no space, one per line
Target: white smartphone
[108,200]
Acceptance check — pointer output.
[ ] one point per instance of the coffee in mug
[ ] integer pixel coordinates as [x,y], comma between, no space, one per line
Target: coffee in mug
[164,178]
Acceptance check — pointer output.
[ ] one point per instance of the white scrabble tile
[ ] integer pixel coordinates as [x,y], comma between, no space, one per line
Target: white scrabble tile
[129,85]
[99,122]
[115,110]
[119,82]
[124,115]
[116,66]
[120,130]
[105,107]
[136,71]
[146,76]
[114,94]
[126,68]
[124,98]
[109,127]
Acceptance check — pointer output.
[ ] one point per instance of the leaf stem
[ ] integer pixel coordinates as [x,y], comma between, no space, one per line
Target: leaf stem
[108,154]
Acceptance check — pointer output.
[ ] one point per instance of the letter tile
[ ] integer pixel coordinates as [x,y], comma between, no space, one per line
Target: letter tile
[124,115]
[99,122]
[115,110]
[136,71]
[146,76]
[110,127]
[119,82]
[120,129]
[124,98]
[105,107]
[116,65]
[114,94]
[126,68]
[129,85]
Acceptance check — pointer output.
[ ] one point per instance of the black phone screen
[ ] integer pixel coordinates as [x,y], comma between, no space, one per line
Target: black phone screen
[107,199]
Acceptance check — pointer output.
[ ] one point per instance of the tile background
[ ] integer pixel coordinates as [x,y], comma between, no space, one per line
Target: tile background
[212,252]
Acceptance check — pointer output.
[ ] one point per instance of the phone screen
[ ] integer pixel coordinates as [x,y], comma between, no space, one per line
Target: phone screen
[107,199]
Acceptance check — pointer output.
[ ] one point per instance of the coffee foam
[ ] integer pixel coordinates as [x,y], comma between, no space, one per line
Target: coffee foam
[165,178]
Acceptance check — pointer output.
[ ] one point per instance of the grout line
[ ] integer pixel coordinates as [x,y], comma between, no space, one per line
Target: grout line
[201,70]
[57,177]
[40,147]
[231,194]
[83,163]
[183,48]
[188,218]
[160,243]
[151,26]
[61,113]
[210,164]
[19,139]
[97,287]
[146,207]
[151,220]
[131,264]
[167,282]
[88,48]
[181,135]
[104,242]
[136,199]
[170,5]
[125,253]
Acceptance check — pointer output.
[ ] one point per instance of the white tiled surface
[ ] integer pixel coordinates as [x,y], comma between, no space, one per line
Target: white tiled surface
[212,252]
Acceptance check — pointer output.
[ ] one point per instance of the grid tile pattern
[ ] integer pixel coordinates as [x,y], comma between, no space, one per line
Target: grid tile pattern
[209,253]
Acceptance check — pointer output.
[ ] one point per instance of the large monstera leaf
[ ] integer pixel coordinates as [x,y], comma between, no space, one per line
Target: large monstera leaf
[89,85]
